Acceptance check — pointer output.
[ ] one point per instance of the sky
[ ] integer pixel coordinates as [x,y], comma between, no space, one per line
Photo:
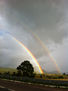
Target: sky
[32,21]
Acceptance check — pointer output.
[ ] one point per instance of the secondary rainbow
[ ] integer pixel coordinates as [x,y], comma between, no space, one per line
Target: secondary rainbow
[47,50]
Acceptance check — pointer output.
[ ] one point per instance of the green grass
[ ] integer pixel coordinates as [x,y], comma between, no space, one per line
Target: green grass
[11,70]
[53,77]
[56,76]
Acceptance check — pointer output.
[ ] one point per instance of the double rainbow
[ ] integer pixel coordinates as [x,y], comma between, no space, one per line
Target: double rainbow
[33,57]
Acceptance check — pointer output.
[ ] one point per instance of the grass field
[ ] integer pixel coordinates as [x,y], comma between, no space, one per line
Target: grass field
[11,70]
[46,76]
[53,77]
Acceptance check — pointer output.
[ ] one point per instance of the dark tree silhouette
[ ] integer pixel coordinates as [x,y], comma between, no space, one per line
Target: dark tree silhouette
[26,68]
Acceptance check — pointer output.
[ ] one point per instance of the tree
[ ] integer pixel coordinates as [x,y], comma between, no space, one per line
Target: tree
[26,68]
[64,73]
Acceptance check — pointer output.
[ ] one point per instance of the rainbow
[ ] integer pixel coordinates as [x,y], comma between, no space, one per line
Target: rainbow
[29,52]
[44,47]
[46,50]
[33,57]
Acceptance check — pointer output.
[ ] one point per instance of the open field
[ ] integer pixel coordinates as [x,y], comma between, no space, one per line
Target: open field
[11,70]
[46,76]
[52,76]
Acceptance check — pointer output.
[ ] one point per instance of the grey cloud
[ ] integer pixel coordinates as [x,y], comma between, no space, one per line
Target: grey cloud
[46,18]
[43,17]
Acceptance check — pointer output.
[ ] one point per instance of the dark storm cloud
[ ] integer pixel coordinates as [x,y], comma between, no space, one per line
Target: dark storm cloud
[42,16]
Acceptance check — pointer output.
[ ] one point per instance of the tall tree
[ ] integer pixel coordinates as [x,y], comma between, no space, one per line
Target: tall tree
[26,68]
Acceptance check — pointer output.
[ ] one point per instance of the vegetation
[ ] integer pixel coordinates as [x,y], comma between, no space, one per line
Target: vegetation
[25,72]
[26,69]
[56,76]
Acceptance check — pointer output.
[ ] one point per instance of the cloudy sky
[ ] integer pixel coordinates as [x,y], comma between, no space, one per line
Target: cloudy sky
[34,23]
